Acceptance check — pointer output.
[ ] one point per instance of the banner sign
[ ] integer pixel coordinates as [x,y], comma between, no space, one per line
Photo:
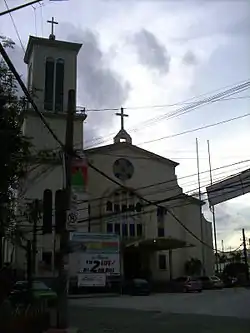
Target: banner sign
[91,280]
[97,253]
[79,174]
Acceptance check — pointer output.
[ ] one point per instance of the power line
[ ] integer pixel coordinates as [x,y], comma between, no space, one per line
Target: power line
[175,179]
[8,11]
[186,109]
[27,94]
[15,27]
[163,106]
[157,191]
[196,129]
[186,101]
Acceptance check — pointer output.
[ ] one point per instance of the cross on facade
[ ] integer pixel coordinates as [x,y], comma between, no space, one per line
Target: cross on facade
[52,36]
[122,115]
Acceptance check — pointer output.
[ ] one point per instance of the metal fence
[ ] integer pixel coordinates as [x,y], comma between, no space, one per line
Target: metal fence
[30,318]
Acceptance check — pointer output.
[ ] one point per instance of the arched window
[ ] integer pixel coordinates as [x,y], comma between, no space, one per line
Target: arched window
[109,206]
[138,207]
[49,84]
[59,85]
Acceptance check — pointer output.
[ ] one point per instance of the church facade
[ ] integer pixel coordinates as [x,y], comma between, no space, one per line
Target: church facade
[149,211]
[138,197]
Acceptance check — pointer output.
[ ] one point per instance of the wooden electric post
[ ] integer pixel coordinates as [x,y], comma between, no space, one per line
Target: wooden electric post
[63,275]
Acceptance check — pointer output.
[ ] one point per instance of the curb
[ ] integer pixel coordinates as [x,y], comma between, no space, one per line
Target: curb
[93,296]
[67,330]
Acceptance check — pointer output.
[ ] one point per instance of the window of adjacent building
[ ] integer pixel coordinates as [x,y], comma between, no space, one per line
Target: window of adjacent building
[116,208]
[109,227]
[162,261]
[139,229]
[117,228]
[161,232]
[125,230]
[131,208]
[59,85]
[124,208]
[49,84]
[132,230]
[47,259]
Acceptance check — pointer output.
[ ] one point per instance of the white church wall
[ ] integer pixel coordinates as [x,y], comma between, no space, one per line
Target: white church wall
[146,172]
[41,139]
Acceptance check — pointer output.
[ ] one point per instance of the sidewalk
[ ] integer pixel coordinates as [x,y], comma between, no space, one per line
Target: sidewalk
[97,295]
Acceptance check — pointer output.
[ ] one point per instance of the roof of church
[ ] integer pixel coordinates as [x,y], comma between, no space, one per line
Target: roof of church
[116,146]
[49,42]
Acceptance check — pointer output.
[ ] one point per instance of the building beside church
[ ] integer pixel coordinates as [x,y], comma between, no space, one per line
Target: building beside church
[52,72]
[154,240]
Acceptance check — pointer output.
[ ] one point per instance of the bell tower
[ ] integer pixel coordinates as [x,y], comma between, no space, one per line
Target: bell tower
[122,135]
[52,72]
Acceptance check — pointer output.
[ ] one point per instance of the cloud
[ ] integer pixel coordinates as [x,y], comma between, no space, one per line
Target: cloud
[99,86]
[151,52]
[189,58]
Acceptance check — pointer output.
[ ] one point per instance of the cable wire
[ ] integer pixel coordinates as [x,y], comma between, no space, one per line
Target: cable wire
[14,25]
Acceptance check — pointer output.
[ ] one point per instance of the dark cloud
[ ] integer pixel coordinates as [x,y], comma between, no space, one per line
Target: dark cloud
[99,86]
[189,58]
[151,52]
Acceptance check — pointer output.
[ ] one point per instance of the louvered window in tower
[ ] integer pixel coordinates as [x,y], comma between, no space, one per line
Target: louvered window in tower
[59,85]
[49,84]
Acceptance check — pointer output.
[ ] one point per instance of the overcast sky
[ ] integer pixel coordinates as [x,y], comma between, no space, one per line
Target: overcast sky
[148,53]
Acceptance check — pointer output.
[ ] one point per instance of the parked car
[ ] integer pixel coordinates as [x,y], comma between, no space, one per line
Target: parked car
[230,282]
[185,284]
[39,291]
[136,287]
[211,282]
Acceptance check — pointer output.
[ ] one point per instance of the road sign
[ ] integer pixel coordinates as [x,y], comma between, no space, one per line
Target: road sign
[72,217]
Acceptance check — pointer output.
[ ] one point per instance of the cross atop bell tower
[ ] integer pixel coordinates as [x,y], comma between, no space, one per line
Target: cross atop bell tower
[122,115]
[52,22]
[122,135]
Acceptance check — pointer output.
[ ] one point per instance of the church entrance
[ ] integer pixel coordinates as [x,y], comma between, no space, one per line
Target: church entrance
[136,264]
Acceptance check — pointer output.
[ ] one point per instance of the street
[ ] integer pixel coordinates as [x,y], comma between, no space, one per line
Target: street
[211,311]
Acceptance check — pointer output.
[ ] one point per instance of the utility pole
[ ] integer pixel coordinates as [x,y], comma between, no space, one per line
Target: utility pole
[29,266]
[63,301]
[245,254]
[213,210]
[201,216]
[34,217]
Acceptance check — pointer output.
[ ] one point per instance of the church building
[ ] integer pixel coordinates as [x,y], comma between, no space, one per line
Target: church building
[52,72]
[156,221]
[138,197]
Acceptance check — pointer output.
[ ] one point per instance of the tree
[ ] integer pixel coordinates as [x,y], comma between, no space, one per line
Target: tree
[193,266]
[15,147]
[235,257]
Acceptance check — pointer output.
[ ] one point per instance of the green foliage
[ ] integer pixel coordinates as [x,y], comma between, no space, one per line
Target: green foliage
[193,266]
[15,147]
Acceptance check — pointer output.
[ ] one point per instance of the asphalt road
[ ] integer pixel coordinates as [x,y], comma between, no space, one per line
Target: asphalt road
[176,313]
